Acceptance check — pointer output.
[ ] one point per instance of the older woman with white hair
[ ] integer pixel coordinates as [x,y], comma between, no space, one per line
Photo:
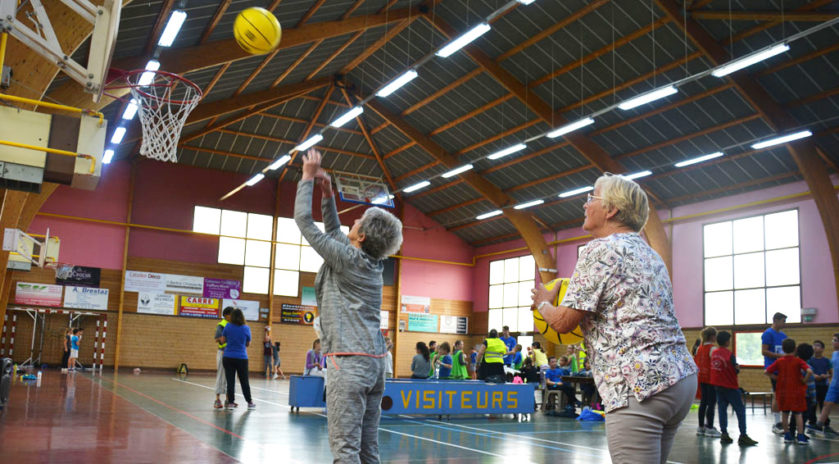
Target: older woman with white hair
[622,298]
[348,288]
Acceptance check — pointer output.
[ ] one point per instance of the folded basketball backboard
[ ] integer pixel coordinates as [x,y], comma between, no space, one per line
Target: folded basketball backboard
[26,250]
[363,190]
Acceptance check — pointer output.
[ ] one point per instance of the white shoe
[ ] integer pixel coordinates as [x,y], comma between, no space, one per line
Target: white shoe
[778,429]
[712,432]
[700,431]
[275,376]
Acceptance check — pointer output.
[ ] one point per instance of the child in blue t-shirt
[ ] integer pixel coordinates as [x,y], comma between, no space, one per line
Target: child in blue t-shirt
[444,360]
[822,372]
[553,381]
[832,397]
[74,348]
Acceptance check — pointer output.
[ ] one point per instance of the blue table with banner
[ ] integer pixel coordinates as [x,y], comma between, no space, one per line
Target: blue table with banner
[446,397]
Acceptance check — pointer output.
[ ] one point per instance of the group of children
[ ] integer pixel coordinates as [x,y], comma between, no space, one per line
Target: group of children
[800,378]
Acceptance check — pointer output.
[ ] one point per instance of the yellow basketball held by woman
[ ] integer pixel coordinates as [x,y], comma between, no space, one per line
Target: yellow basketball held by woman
[257,31]
[571,338]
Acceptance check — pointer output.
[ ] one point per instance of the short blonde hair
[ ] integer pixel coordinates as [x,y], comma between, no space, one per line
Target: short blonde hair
[627,197]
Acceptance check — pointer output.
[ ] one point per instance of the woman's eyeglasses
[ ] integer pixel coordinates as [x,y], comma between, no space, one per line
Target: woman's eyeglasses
[590,198]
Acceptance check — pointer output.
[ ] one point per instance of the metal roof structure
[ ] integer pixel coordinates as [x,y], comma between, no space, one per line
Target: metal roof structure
[575,56]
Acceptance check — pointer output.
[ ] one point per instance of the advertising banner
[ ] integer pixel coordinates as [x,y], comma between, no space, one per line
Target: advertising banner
[157,303]
[418,322]
[142,281]
[249,308]
[457,397]
[82,276]
[385,320]
[86,298]
[416,304]
[222,288]
[38,294]
[297,314]
[196,306]
[307,297]
[454,324]
[184,284]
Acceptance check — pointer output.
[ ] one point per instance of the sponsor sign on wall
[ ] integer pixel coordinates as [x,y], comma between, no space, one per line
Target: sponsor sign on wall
[418,322]
[157,303]
[197,306]
[142,281]
[416,304]
[454,324]
[249,308]
[81,276]
[297,314]
[222,288]
[86,298]
[38,294]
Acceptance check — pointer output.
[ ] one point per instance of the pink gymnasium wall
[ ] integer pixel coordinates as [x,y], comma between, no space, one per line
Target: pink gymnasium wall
[165,196]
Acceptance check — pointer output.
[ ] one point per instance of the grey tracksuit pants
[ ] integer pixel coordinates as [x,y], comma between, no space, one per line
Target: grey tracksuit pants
[353,402]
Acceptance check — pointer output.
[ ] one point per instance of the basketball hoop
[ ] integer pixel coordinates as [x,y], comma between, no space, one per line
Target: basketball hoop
[164,101]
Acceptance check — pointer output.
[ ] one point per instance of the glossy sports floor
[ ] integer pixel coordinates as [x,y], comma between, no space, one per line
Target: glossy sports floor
[163,418]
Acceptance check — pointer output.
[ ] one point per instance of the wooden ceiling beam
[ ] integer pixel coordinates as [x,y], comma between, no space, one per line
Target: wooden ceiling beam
[457,206]
[815,97]
[801,59]
[335,54]
[293,143]
[400,149]
[814,5]
[372,144]
[283,117]
[211,26]
[162,18]
[552,177]
[788,16]
[599,52]
[706,193]
[438,188]
[522,222]
[215,80]
[309,128]
[226,153]
[390,34]
[480,110]
[803,152]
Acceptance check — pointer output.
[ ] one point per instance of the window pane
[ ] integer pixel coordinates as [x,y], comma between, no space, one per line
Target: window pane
[782,267]
[748,270]
[319,226]
[747,348]
[233,223]
[206,220]
[527,268]
[782,229]
[524,293]
[719,308]
[511,318]
[255,280]
[231,250]
[748,234]
[496,296]
[750,306]
[495,319]
[511,270]
[345,230]
[259,226]
[525,341]
[717,239]
[511,295]
[285,283]
[786,300]
[287,231]
[718,274]
[525,320]
[287,257]
[257,253]
[496,272]
[310,260]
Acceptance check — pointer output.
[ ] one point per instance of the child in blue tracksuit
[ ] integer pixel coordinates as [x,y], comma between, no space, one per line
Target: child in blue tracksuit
[831,398]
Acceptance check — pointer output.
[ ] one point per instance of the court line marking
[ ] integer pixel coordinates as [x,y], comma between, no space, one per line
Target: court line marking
[211,388]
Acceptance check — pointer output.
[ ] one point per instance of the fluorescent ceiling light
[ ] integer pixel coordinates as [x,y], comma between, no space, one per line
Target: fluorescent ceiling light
[381,199]
[578,191]
[749,60]
[173,26]
[457,171]
[507,151]
[488,215]
[782,139]
[416,187]
[130,110]
[279,163]
[347,117]
[648,97]
[463,40]
[698,159]
[148,77]
[529,204]
[638,175]
[255,179]
[570,127]
[395,84]
[119,133]
[107,157]
[309,143]
[526,2]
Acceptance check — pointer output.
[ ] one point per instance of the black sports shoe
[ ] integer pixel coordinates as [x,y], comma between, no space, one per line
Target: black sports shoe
[725,438]
[745,440]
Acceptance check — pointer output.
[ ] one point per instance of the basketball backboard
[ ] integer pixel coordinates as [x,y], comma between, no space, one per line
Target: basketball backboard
[26,250]
[364,190]
[42,38]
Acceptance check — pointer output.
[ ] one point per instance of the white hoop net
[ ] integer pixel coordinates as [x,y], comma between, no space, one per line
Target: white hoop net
[164,102]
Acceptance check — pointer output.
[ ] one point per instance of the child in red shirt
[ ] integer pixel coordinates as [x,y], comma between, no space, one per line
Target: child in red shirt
[708,402]
[791,388]
[723,377]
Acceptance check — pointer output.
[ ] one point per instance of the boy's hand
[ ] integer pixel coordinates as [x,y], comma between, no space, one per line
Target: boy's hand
[311,164]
